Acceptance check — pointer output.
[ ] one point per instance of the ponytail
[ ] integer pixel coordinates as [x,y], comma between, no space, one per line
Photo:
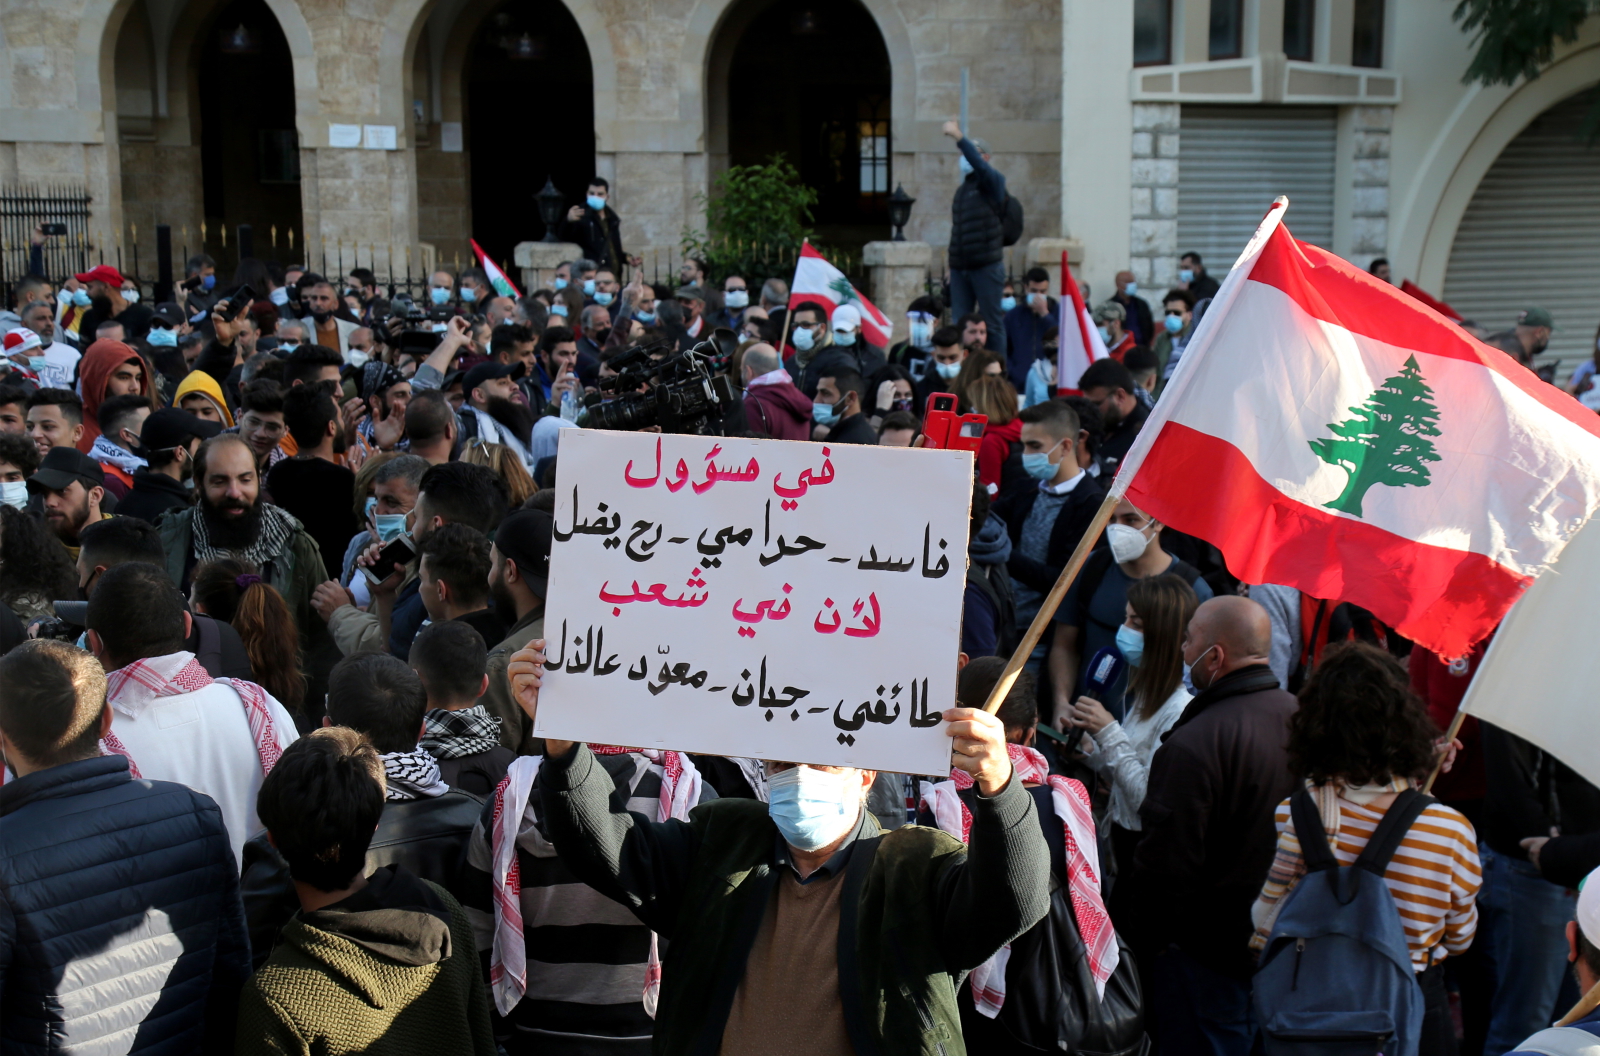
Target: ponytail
[262,619]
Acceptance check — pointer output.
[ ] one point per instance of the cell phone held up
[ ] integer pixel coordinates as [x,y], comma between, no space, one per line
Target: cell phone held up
[392,556]
[53,228]
[945,430]
[240,301]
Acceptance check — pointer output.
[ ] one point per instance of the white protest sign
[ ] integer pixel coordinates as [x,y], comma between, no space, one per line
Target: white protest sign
[760,598]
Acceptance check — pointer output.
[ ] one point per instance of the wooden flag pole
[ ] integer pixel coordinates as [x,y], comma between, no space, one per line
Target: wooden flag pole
[1052,601]
[1450,735]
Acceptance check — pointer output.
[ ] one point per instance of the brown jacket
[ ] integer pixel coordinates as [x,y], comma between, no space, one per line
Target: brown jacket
[1207,818]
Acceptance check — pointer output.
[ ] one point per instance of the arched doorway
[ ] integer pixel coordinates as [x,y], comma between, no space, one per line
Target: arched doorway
[249,147]
[828,112]
[1531,234]
[530,116]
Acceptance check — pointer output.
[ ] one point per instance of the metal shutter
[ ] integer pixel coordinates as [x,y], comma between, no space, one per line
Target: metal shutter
[1233,160]
[1531,235]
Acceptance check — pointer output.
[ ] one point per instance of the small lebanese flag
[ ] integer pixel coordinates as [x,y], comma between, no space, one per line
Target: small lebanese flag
[502,282]
[1078,339]
[817,280]
[1331,433]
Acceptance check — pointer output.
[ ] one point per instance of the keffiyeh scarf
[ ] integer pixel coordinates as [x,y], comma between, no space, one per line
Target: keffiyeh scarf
[105,451]
[176,673]
[458,734]
[412,775]
[277,527]
[508,964]
[1071,803]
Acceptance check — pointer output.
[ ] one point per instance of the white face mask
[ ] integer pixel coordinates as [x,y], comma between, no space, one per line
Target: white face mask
[1127,543]
[812,808]
[14,493]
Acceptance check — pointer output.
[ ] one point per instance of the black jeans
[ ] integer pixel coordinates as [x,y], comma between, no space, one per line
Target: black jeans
[1438,1030]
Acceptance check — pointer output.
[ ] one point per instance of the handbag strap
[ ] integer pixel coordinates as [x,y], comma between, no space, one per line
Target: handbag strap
[1313,837]
[1397,821]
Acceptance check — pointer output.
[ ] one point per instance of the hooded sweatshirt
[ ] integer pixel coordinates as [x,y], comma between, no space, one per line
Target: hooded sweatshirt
[777,408]
[94,372]
[198,381]
[389,971]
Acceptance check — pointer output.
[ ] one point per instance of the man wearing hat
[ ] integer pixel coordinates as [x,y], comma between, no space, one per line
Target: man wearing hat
[1578,1032]
[107,303]
[72,486]
[1533,328]
[519,571]
[692,300]
[386,392]
[22,348]
[492,405]
[169,439]
[1110,317]
[846,349]
[167,324]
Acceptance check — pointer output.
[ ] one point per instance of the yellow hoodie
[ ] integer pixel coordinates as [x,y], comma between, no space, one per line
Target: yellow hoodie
[198,381]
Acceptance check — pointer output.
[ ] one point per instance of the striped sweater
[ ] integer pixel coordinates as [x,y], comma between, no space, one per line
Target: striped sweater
[586,953]
[1434,876]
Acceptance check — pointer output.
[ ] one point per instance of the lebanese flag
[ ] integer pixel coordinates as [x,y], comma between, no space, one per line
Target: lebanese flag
[1330,433]
[817,280]
[502,282]
[1078,339]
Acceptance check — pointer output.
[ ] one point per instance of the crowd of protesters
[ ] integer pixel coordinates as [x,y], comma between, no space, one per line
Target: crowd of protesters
[273,570]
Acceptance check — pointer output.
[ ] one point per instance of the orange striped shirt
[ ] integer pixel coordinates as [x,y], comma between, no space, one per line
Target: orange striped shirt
[1434,876]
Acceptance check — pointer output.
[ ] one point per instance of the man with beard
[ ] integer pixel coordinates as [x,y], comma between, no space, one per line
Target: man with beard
[303,485]
[386,392]
[449,493]
[231,520]
[492,406]
[108,304]
[327,328]
[1110,387]
[170,437]
[519,570]
[72,486]
[557,360]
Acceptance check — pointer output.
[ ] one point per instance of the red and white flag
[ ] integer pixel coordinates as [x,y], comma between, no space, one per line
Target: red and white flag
[499,279]
[817,280]
[1078,337]
[1331,433]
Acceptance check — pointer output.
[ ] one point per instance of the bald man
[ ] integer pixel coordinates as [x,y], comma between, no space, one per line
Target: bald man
[772,405]
[1209,835]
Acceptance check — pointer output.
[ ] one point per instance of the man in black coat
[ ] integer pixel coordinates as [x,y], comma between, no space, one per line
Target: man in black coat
[594,226]
[1209,835]
[844,391]
[121,929]
[169,437]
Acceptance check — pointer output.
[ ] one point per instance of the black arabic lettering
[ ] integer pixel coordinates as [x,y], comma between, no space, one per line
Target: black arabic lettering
[642,553]
[934,571]
[921,716]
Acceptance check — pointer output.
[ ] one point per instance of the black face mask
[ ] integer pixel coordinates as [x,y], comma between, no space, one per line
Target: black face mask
[601,334]
[321,317]
[101,304]
[900,405]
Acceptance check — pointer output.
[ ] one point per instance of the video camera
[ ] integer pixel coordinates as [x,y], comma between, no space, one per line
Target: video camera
[684,395]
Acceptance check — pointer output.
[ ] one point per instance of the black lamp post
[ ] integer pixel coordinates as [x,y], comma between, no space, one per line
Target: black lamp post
[900,205]
[550,202]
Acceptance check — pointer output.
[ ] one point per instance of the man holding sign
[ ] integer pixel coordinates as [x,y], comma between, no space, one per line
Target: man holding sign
[801,920]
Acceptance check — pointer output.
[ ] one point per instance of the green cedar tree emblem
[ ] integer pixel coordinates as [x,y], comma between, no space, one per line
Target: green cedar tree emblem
[1387,440]
[843,292]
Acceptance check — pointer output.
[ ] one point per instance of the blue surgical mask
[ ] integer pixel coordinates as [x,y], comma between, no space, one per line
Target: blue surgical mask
[964,165]
[1007,303]
[1188,675]
[603,298]
[812,808]
[736,298]
[288,346]
[1037,465]
[14,493]
[948,371]
[37,363]
[824,413]
[80,298]
[131,296]
[921,335]
[588,287]
[844,338]
[1130,643]
[1173,323]
[439,294]
[559,309]
[595,202]
[390,526]
[161,338]
[647,318]
[1185,275]
[1036,298]
[1130,288]
[279,296]
[208,282]
[1105,334]
[559,283]
[803,339]
[372,504]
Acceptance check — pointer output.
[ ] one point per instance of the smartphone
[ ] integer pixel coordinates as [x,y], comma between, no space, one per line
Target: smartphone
[192,283]
[391,557]
[241,300]
[945,430]
[54,228]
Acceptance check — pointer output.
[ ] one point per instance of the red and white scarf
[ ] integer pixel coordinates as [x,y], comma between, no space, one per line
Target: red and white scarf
[1071,802]
[172,675]
[508,963]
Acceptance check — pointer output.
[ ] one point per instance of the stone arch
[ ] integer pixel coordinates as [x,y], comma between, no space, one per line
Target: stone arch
[1485,121]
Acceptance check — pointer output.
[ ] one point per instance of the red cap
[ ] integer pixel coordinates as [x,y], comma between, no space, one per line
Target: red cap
[104,273]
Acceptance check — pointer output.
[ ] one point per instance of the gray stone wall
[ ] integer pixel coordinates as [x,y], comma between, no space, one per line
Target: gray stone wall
[1154,190]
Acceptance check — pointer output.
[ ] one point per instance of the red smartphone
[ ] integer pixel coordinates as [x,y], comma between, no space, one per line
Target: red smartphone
[943,429]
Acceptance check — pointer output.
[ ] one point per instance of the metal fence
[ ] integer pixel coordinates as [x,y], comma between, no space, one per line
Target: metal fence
[24,206]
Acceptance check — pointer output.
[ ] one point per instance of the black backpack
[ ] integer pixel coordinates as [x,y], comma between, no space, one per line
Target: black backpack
[995,583]
[1011,221]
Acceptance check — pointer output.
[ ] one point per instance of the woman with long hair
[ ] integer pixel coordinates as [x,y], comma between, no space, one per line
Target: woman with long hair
[506,465]
[1360,739]
[233,592]
[1000,452]
[35,569]
[979,363]
[1151,640]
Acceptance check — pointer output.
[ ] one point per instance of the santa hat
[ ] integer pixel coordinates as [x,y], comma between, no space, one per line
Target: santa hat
[20,341]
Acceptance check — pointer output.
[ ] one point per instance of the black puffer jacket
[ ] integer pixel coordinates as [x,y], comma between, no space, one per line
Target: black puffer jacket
[121,929]
[977,233]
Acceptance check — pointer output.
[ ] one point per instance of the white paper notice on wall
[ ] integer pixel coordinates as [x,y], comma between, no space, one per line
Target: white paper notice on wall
[344,135]
[450,137]
[378,137]
[760,598]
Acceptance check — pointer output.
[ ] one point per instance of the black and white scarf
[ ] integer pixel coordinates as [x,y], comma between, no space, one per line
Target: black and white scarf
[277,528]
[458,734]
[412,775]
